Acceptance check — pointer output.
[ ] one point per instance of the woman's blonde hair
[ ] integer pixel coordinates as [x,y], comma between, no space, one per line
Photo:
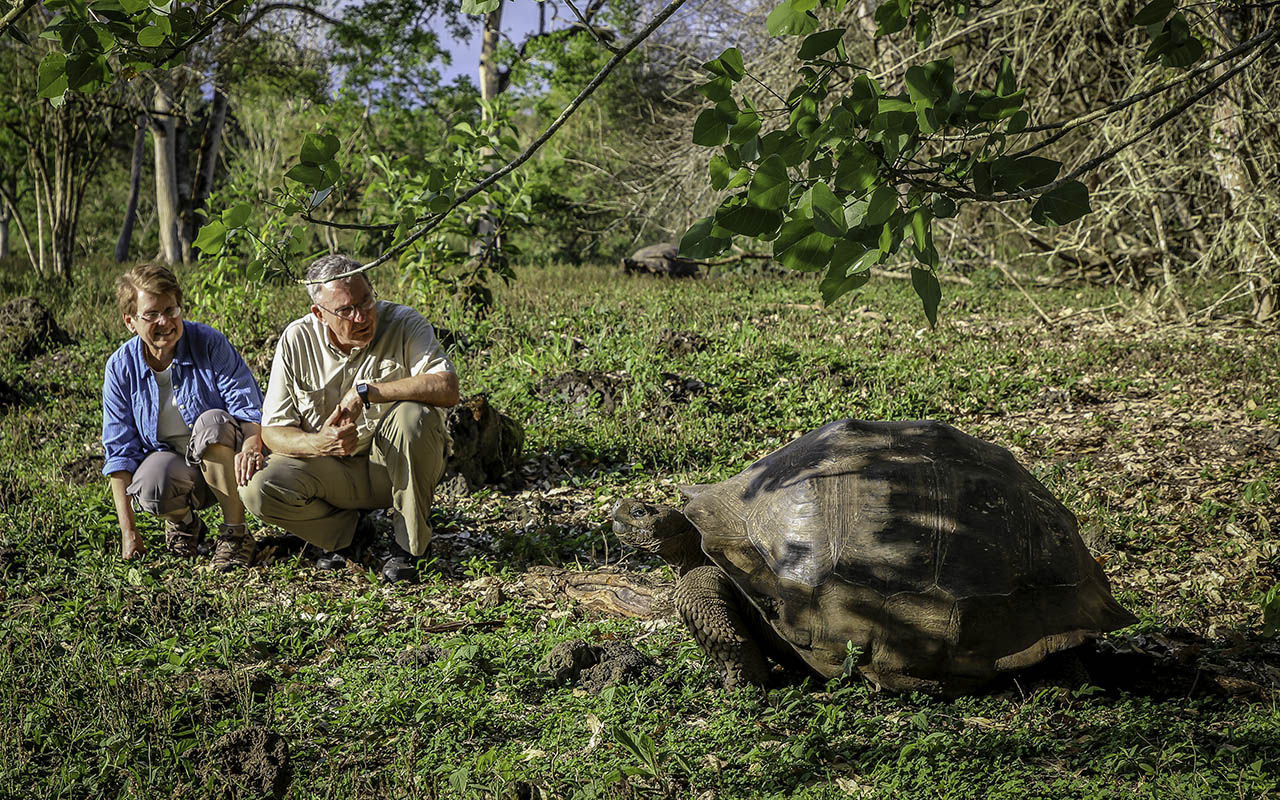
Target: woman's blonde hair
[150,278]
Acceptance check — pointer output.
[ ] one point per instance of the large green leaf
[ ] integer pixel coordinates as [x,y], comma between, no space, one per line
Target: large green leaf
[815,44]
[699,243]
[799,246]
[787,20]
[1175,46]
[317,149]
[151,36]
[729,65]
[863,99]
[883,202]
[852,255]
[890,18]
[858,170]
[930,291]
[747,126]
[307,174]
[837,284]
[1028,172]
[747,219]
[720,172]
[824,207]
[236,217]
[717,89]
[1067,203]
[931,83]
[52,76]
[1006,82]
[211,238]
[86,71]
[710,129]
[770,186]
[1153,12]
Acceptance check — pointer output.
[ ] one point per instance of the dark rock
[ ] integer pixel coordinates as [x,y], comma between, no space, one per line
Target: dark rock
[486,446]
[420,657]
[660,259]
[595,667]
[582,390]
[27,329]
[252,762]
[620,663]
[679,389]
[681,343]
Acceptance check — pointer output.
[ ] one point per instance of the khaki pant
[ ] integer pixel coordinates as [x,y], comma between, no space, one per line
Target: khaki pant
[320,498]
[167,482]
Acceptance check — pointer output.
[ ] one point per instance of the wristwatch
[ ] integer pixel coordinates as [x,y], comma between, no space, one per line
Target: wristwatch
[362,389]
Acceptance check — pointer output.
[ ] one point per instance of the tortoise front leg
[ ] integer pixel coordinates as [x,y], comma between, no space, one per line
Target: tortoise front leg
[712,609]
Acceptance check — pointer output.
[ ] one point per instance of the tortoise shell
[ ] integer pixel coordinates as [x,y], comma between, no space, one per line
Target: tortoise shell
[934,553]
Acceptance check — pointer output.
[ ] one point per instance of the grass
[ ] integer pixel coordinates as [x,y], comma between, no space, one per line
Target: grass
[118,680]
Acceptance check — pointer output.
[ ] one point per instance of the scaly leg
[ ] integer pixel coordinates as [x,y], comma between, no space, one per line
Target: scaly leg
[711,607]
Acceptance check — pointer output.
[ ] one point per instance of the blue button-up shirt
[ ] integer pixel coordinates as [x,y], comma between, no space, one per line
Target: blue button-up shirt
[207,373]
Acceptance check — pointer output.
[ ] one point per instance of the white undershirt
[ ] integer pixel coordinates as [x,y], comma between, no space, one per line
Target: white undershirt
[171,428]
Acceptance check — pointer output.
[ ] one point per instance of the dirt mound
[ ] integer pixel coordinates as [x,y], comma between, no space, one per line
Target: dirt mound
[27,329]
[420,657]
[584,390]
[252,762]
[222,689]
[594,667]
[679,389]
[681,343]
[84,470]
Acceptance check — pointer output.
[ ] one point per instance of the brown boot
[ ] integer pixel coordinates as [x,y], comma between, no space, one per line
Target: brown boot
[183,538]
[235,548]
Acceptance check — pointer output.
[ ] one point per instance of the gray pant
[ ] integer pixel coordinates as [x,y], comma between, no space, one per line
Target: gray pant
[166,482]
[319,498]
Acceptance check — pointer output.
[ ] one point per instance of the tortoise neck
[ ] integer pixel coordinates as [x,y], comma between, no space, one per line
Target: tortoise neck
[684,550]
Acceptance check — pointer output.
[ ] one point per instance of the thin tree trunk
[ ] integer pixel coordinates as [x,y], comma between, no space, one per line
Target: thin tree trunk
[163,134]
[206,165]
[5,214]
[135,186]
[182,171]
[488,52]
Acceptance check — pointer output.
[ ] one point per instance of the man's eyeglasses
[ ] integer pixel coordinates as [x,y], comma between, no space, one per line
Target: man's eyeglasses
[349,312]
[152,317]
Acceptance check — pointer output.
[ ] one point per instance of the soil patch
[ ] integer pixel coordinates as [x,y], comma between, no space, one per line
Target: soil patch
[681,343]
[421,657]
[84,470]
[252,762]
[486,447]
[584,390]
[27,329]
[595,667]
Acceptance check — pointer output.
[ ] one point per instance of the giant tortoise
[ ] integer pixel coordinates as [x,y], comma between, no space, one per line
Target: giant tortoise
[932,558]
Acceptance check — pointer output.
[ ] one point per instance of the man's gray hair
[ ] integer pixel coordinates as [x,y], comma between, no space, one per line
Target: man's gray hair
[325,268]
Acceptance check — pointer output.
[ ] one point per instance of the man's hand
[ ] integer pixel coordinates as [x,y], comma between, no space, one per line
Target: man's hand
[249,460]
[352,405]
[131,545]
[338,436]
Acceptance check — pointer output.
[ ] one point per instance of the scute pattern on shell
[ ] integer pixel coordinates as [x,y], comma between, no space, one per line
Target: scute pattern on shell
[935,553]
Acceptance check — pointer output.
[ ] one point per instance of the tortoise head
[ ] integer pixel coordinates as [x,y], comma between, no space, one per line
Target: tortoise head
[659,529]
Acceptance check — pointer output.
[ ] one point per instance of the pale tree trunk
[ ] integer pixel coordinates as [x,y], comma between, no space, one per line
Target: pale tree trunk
[182,169]
[135,186]
[206,163]
[9,202]
[5,213]
[490,88]
[1237,175]
[166,175]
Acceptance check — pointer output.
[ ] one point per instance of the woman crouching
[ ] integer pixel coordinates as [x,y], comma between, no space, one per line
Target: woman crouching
[180,423]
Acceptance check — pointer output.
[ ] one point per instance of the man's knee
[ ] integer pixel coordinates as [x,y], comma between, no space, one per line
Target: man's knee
[281,482]
[413,422]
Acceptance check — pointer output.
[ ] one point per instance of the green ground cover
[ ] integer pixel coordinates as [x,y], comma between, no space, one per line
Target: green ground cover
[121,680]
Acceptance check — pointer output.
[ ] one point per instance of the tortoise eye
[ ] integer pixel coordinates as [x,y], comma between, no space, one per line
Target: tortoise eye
[639,511]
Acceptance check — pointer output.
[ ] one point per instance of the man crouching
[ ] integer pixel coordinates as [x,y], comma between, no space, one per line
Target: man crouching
[353,419]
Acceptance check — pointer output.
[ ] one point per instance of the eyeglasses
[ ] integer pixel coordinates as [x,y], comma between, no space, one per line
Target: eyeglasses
[349,312]
[152,317]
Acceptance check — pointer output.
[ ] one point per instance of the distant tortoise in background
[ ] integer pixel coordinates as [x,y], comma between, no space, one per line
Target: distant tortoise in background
[935,554]
[660,259]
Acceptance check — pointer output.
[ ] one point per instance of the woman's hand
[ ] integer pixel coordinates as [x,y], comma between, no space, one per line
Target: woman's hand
[250,459]
[131,545]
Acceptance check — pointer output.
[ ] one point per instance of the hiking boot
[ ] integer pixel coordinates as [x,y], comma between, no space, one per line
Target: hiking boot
[398,565]
[235,547]
[336,560]
[183,539]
